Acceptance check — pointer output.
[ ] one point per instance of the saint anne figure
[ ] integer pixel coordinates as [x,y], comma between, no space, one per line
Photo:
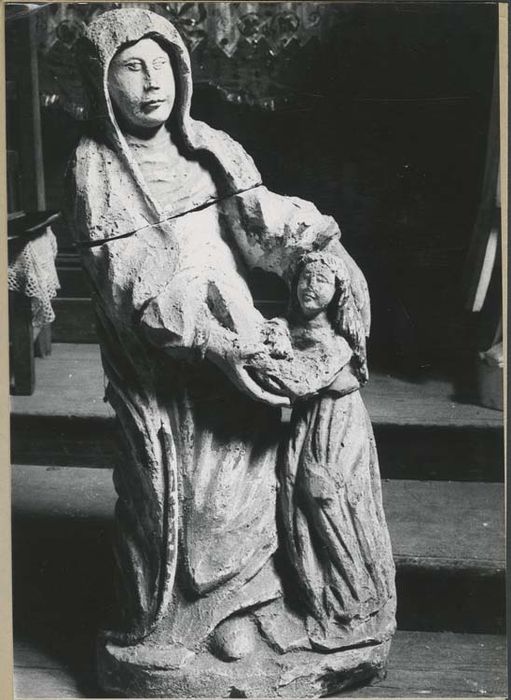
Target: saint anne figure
[170,216]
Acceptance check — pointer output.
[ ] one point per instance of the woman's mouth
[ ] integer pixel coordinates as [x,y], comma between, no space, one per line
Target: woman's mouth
[152,104]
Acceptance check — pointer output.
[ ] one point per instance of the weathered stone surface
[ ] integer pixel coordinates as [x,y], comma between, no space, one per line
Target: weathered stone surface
[247,566]
[138,672]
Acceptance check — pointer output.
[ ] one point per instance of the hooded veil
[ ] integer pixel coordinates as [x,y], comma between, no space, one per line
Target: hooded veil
[196,508]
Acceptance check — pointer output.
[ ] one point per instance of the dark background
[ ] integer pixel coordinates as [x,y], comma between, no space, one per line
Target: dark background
[383,123]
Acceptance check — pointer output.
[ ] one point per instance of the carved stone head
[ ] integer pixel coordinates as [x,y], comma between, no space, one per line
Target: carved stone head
[141,85]
[320,281]
[137,73]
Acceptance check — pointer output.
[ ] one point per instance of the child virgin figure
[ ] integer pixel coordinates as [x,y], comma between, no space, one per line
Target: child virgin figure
[330,505]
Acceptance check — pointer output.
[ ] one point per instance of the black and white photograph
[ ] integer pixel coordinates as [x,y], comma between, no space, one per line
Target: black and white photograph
[256,279]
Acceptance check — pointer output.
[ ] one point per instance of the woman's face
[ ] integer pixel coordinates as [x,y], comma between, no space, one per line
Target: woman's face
[141,84]
[315,288]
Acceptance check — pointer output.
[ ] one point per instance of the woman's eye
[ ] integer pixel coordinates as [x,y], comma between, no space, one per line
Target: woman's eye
[133,66]
[160,63]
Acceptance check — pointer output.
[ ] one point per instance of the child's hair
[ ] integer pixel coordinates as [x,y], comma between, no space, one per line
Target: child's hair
[342,311]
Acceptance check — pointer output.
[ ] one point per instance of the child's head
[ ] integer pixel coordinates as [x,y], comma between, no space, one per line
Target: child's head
[319,279]
[322,284]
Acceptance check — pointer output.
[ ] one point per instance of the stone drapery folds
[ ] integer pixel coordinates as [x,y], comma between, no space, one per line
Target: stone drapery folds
[211,527]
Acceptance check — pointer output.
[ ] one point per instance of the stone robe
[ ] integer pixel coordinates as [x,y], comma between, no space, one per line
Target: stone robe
[196,509]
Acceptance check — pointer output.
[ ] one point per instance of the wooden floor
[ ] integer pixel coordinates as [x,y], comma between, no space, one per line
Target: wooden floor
[444,504]
[432,524]
[421,664]
[62,565]
[71,383]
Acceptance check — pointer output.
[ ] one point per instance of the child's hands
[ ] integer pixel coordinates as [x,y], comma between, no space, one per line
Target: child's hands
[276,338]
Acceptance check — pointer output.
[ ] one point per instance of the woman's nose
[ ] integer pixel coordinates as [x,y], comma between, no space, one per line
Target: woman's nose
[151,81]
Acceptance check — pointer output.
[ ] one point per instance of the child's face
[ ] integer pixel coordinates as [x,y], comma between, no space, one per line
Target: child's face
[315,288]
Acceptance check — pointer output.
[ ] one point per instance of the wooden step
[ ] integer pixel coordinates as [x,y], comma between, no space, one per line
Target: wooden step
[421,431]
[448,540]
[421,664]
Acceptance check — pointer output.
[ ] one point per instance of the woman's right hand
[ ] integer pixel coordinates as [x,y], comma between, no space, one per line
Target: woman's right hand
[232,356]
[249,386]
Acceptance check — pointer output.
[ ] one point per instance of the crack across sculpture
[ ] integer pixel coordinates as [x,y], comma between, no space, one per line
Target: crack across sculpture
[235,541]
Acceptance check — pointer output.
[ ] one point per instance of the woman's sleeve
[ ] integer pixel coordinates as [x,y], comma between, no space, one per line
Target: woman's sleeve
[138,289]
[272,231]
[128,272]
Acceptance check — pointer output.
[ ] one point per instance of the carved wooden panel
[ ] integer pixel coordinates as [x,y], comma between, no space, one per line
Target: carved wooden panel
[243,49]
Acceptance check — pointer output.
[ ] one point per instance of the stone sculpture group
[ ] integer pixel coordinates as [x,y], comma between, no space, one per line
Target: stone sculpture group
[254,560]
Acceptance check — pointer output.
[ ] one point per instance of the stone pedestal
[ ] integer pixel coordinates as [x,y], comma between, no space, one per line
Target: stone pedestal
[148,671]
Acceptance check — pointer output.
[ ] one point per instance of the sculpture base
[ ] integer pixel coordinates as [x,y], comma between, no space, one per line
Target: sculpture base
[149,671]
